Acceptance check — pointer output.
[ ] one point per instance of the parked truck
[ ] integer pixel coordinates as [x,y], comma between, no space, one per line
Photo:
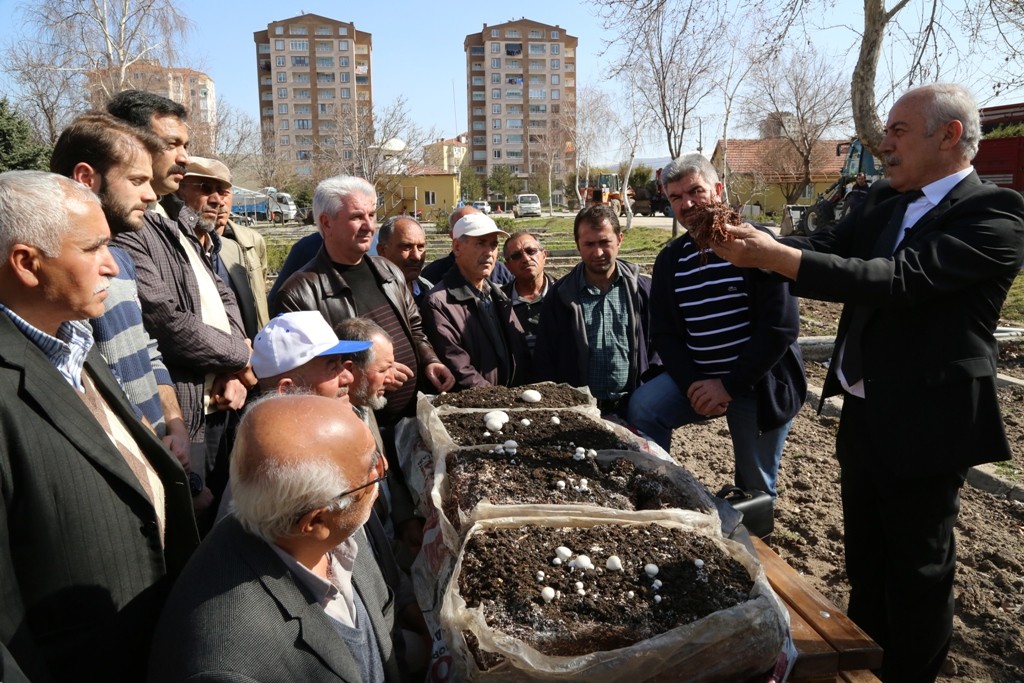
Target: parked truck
[1000,160]
[606,189]
[265,204]
[831,204]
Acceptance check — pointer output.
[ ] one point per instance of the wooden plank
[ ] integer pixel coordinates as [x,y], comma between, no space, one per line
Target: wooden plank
[815,657]
[862,676]
[856,649]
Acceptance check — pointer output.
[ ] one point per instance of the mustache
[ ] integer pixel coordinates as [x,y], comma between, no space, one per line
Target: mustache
[103,286]
[176,169]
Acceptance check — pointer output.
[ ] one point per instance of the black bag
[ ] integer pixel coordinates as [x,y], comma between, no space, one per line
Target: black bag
[756,506]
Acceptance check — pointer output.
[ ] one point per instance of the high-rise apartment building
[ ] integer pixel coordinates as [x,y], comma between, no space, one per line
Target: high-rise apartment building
[521,92]
[192,89]
[315,87]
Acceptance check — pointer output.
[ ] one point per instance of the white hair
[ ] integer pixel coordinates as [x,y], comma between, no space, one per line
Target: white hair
[331,193]
[34,208]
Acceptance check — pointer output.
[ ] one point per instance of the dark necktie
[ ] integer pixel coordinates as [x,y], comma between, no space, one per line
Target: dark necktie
[885,246]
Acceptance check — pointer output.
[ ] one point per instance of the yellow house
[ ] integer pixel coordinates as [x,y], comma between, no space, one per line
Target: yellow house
[424,191]
[761,173]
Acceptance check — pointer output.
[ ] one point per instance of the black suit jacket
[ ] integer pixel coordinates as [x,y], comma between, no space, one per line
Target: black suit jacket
[82,572]
[928,349]
[237,614]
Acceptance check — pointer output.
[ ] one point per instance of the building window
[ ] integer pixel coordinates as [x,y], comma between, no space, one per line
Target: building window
[282,76]
[300,78]
[555,64]
[554,79]
[325,93]
[496,124]
[479,140]
[268,111]
[264,48]
[303,155]
[284,124]
[496,63]
[301,93]
[282,108]
[325,62]
[536,34]
[304,124]
[297,31]
[537,65]
[495,48]
[477,80]
[496,139]
[326,109]
[538,109]
[267,95]
[514,94]
[479,125]
[496,154]
[514,109]
[343,30]
[300,61]
[538,49]
[511,33]
[494,33]
[495,108]
[429,197]
[345,76]
[495,77]
[479,96]
[279,30]
[282,93]
[325,78]
[301,109]
[554,48]
[554,35]
[479,155]
[299,45]
[515,123]
[343,62]
[555,94]
[280,61]
[537,79]
[343,45]
[479,111]
[284,140]
[346,93]
[515,154]
[512,139]
[495,93]
[324,46]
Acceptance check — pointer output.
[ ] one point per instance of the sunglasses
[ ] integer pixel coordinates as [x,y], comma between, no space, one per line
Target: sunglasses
[209,187]
[528,251]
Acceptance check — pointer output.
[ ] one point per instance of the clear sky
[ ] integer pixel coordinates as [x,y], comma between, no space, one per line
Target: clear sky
[418,53]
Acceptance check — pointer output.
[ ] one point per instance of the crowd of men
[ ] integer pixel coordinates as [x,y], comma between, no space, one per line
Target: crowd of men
[200,482]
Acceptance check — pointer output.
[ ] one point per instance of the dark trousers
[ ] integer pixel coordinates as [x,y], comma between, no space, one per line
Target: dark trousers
[900,553]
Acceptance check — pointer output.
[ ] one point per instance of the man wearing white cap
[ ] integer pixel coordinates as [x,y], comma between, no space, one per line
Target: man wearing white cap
[468,319]
[299,350]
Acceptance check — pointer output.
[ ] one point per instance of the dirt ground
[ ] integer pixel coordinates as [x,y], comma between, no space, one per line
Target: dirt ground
[988,641]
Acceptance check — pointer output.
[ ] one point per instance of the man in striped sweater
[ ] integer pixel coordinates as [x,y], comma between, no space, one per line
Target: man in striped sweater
[727,339]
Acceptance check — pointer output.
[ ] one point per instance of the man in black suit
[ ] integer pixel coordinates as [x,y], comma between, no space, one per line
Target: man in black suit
[95,514]
[287,588]
[923,266]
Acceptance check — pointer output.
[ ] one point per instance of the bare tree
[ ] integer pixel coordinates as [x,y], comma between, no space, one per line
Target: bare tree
[586,125]
[270,167]
[49,95]
[803,96]
[550,148]
[630,127]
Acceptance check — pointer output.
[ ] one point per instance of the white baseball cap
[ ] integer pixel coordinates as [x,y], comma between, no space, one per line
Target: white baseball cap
[293,339]
[476,225]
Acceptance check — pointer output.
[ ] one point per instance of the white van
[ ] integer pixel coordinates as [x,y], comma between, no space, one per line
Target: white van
[526,205]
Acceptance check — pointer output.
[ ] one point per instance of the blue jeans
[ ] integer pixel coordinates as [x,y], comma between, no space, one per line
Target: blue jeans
[658,407]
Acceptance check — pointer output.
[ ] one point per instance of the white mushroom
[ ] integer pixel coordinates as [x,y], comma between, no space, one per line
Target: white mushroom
[651,570]
[582,562]
[614,564]
[563,553]
[555,420]
[547,593]
[531,396]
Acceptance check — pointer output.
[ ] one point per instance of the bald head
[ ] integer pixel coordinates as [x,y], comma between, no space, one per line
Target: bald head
[277,477]
[459,214]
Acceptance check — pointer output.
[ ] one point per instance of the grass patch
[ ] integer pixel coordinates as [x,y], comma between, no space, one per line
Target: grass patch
[1013,307]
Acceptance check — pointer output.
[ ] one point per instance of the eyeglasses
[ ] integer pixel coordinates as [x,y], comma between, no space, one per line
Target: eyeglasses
[378,462]
[209,187]
[529,251]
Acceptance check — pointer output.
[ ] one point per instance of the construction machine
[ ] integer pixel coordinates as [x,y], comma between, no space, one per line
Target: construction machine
[831,204]
[606,189]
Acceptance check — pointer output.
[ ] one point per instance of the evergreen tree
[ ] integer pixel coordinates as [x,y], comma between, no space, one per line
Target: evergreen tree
[18,149]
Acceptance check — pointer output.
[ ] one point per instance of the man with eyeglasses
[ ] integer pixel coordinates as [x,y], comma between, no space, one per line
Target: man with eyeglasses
[190,310]
[469,320]
[287,589]
[525,258]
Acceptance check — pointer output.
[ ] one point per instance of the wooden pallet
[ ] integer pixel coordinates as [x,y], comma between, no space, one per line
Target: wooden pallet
[830,647]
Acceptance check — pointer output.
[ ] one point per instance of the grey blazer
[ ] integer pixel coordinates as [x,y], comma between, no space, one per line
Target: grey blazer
[237,614]
[83,574]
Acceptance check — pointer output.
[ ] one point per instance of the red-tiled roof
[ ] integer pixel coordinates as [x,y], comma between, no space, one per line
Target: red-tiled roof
[775,158]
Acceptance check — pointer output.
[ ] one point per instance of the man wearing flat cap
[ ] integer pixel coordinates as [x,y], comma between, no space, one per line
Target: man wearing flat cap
[469,320]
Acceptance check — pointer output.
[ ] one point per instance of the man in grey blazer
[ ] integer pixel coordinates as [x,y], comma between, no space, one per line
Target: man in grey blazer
[287,588]
[923,266]
[95,513]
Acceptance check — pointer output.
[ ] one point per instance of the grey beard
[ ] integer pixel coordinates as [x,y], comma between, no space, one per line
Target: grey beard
[206,226]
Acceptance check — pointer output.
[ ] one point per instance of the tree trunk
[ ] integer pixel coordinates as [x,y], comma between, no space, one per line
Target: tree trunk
[870,128]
